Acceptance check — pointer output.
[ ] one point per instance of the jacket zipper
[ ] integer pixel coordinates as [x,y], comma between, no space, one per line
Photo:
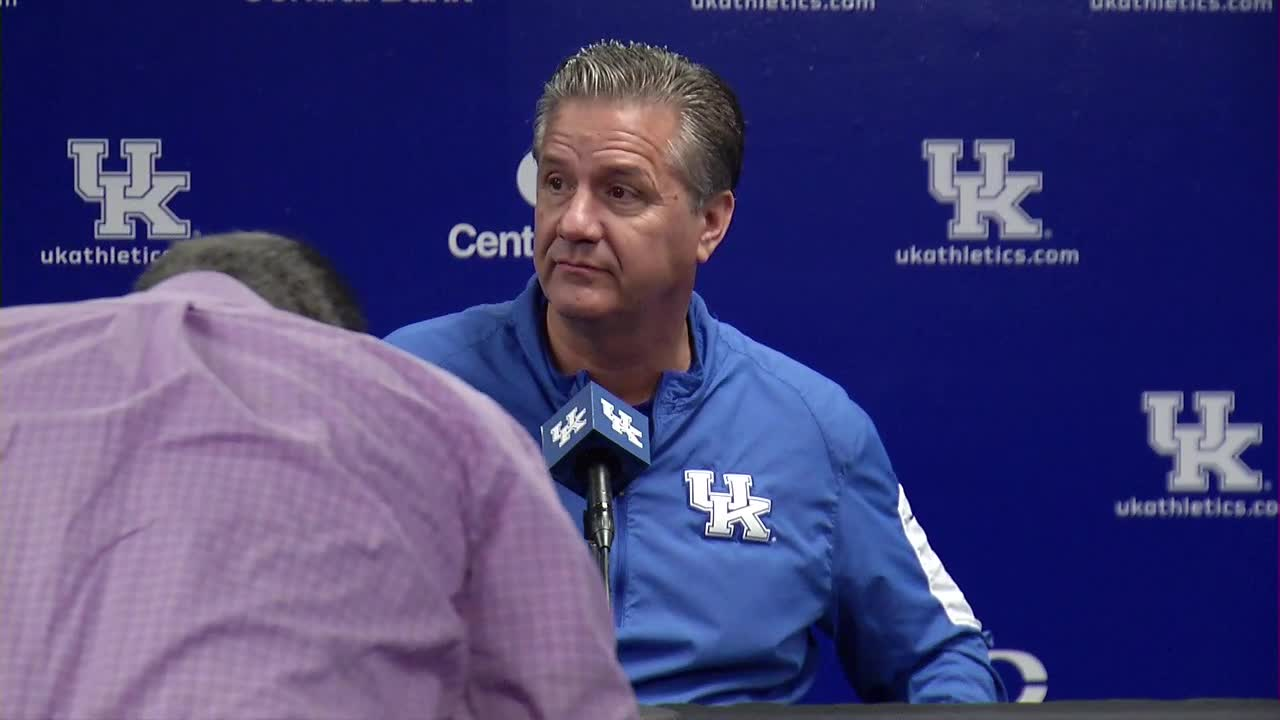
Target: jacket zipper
[617,559]
[617,576]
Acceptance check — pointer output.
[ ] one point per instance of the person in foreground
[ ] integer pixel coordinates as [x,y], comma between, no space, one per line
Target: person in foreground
[211,507]
[770,508]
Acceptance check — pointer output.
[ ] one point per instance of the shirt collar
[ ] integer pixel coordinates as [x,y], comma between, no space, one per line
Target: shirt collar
[213,285]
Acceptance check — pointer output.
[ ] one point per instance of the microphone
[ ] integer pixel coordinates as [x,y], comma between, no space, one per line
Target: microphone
[595,445]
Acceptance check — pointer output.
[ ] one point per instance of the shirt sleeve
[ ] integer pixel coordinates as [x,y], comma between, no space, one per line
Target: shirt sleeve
[903,629]
[543,643]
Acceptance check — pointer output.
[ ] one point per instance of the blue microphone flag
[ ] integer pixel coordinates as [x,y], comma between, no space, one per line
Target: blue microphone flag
[595,419]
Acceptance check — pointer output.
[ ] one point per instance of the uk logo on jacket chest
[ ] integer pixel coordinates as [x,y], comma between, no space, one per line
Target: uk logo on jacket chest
[729,511]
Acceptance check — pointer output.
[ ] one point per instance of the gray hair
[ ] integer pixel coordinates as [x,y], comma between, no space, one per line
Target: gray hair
[708,148]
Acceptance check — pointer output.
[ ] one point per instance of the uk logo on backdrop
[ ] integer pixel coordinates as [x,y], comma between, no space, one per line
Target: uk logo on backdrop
[989,223]
[138,195]
[991,196]
[1209,447]
[131,202]
[1210,475]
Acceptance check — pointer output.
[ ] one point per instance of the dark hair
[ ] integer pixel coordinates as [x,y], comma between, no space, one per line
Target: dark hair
[284,272]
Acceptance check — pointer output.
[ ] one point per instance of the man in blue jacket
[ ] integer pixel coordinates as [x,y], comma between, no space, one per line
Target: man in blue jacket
[770,507]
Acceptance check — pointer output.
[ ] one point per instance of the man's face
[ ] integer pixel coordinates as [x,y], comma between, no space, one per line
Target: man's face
[615,229]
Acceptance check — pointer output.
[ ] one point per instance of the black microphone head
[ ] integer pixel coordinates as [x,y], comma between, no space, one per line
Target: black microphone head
[595,426]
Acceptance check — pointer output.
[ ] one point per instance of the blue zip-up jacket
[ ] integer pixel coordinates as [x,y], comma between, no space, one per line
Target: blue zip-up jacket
[769,509]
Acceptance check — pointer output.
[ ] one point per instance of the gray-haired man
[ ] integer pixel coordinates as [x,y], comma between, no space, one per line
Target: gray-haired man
[770,508]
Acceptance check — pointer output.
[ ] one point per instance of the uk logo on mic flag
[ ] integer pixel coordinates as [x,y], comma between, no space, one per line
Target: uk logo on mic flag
[596,419]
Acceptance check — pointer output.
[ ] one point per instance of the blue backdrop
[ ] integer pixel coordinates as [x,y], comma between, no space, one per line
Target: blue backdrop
[1131,144]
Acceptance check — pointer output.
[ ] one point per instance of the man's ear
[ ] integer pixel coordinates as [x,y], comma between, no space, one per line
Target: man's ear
[717,213]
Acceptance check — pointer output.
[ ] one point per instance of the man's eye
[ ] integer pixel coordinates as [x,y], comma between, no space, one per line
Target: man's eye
[617,192]
[555,183]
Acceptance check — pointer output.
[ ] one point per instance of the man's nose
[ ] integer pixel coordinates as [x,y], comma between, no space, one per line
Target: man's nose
[580,221]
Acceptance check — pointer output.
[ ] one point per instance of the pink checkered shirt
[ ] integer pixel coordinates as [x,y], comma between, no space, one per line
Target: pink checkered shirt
[213,509]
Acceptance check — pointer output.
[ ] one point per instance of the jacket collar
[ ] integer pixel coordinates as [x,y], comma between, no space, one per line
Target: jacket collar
[676,390]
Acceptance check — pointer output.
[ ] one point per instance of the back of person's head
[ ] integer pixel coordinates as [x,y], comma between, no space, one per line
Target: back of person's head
[286,273]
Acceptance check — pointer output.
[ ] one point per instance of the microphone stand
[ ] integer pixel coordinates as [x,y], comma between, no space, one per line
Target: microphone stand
[597,520]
